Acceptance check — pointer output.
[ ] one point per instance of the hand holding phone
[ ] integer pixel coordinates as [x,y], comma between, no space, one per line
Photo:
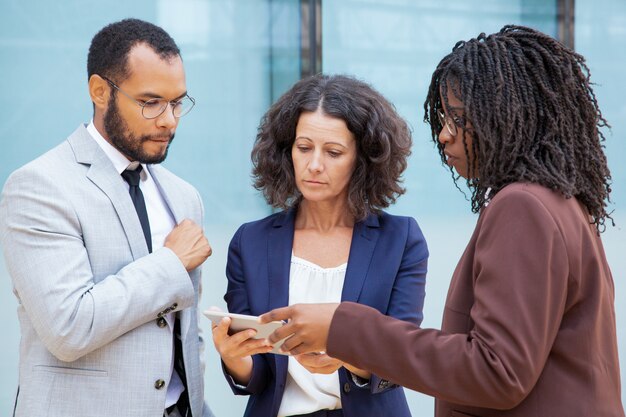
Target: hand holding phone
[241,322]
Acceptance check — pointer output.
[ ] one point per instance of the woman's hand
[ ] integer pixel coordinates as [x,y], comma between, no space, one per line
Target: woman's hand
[308,325]
[239,345]
[318,363]
[321,363]
[236,350]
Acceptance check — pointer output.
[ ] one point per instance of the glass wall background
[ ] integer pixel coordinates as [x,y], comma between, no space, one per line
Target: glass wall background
[600,36]
[240,55]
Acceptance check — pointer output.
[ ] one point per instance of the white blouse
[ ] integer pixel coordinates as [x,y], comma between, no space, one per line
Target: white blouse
[306,392]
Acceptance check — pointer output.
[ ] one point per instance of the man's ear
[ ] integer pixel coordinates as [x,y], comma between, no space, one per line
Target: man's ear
[99,91]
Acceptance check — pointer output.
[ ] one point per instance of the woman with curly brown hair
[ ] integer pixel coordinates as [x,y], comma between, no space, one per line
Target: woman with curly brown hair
[529,324]
[330,153]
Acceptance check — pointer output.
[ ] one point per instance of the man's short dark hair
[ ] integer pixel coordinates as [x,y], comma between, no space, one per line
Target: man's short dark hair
[383,142]
[108,53]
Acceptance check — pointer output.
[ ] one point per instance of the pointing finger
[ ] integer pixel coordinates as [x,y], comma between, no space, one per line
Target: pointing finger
[278,314]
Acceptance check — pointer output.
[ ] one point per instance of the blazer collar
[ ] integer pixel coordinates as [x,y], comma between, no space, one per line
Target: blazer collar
[279,248]
[364,238]
[172,193]
[104,175]
[280,244]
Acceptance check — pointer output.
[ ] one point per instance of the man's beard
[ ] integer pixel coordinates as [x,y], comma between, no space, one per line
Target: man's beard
[127,143]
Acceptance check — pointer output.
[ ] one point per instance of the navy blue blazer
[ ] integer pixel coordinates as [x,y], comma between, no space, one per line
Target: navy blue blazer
[386,270]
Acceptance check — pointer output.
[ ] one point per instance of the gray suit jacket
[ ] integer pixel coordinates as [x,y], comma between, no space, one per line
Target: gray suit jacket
[89,292]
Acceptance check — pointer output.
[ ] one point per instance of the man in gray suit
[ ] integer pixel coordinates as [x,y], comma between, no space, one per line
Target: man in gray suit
[103,246]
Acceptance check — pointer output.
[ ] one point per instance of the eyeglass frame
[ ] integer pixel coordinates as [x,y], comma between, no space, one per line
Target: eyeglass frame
[143,104]
[449,122]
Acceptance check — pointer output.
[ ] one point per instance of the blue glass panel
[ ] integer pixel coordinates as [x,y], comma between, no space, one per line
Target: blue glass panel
[600,36]
[239,56]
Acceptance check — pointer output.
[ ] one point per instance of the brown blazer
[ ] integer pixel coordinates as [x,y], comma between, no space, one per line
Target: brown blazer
[528,327]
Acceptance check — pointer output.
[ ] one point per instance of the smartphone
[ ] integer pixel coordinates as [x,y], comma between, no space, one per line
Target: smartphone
[239,322]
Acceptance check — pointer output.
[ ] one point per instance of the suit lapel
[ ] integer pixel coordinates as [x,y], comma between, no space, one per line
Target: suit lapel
[364,238]
[170,193]
[103,174]
[176,202]
[279,248]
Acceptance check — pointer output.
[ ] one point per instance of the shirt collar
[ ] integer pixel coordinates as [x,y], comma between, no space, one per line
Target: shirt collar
[120,162]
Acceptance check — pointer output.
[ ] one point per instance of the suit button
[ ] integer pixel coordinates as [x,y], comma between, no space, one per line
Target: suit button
[159,383]
[346,387]
[161,322]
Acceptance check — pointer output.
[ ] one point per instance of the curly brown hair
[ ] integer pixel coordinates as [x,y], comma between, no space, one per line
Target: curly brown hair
[382,137]
[534,116]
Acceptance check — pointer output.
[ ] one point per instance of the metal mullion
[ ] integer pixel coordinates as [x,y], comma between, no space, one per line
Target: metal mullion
[565,22]
[311,37]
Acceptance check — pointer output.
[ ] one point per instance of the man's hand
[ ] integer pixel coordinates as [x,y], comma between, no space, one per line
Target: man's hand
[308,324]
[188,242]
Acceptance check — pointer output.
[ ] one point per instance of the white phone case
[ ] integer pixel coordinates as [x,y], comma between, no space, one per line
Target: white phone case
[241,322]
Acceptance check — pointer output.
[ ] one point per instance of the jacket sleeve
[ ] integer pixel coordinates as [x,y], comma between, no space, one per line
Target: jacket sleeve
[236,298]
[52,276]
[520,283]
[409,289]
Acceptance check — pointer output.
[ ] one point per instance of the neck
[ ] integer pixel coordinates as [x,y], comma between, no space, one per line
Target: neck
[323,216]
[98,122]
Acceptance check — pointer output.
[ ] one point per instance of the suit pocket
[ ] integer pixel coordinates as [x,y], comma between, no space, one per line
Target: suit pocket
[73,391]
[70,371]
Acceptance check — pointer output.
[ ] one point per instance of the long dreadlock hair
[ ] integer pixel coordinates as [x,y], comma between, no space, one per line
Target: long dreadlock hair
[534,117]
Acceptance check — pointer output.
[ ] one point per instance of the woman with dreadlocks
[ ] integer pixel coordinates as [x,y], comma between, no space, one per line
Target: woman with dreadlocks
[529,323]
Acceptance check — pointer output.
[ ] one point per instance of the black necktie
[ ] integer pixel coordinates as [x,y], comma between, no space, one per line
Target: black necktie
[132,178]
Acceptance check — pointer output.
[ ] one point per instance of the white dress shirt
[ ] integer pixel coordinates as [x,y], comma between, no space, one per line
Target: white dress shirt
[306,392]
[161,224]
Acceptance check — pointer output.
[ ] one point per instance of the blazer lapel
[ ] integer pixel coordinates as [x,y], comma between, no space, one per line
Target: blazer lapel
[364,238]
[170,193]
[103,174]
[176,202]
[279,248]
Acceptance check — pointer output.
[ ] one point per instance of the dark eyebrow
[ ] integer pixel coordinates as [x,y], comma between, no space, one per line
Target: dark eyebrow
[325,143]
[336,143]
[153,95]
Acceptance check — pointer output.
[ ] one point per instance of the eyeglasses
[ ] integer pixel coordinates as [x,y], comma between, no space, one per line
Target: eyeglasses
[449,122]
[153,108]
